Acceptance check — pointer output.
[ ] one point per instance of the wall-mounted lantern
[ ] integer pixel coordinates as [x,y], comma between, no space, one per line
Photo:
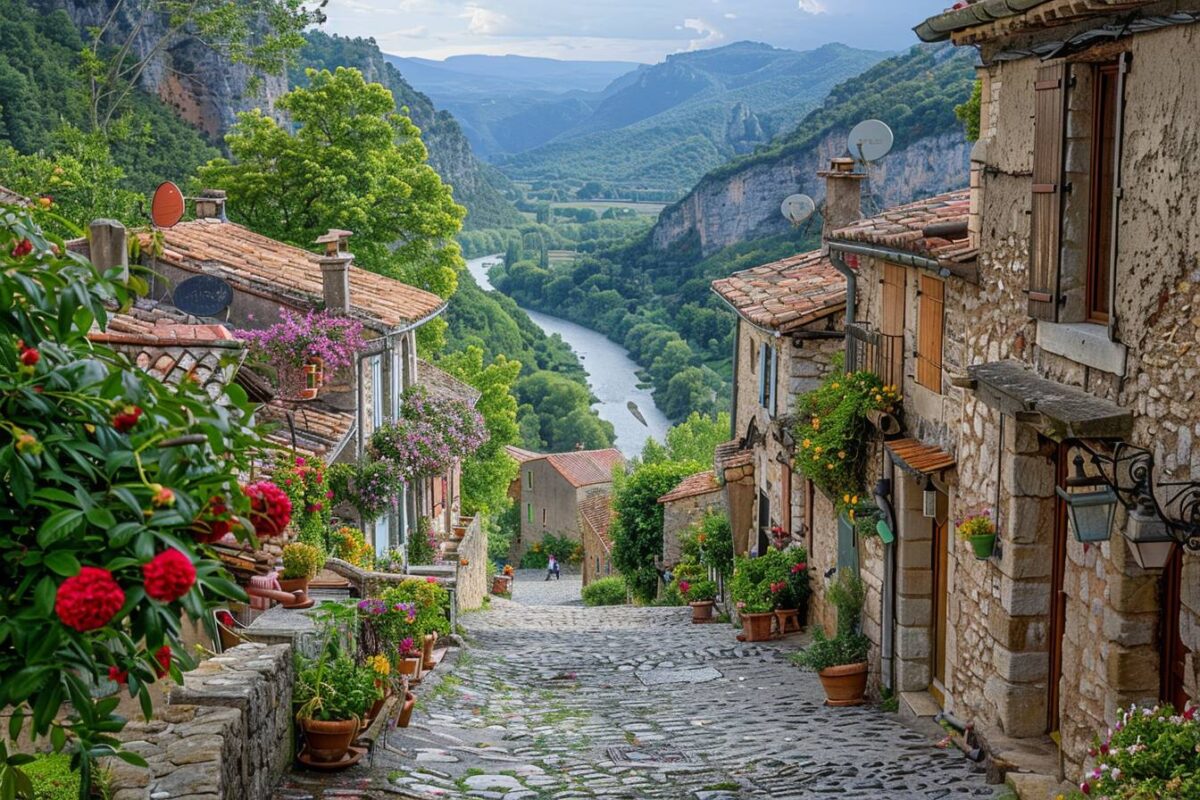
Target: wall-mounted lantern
[1091,505]
[929,498]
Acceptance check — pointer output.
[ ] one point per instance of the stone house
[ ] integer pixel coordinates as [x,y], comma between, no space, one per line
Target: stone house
[686,505]
[595,519]
[254,278]
[550,489]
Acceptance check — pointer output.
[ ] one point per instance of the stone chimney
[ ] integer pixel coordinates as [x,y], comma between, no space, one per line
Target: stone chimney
[210,205]
[109,246]
[335,270]
[843,195]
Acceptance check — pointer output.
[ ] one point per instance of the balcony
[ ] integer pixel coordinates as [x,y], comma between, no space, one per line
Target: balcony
[868,349]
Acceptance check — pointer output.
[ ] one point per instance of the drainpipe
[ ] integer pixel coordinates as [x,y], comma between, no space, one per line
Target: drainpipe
[851,276]
[733,402]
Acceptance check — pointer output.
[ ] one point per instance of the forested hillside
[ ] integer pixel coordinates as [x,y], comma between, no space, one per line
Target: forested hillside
[655,133]
[652,294]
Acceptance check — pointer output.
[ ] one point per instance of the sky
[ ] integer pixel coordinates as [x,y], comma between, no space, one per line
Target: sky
[623,30]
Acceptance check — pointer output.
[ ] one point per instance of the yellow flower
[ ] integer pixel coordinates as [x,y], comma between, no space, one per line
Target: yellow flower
[837,386]
[807,443]
[841,454]
[845,498]
[816,424]
[818,449]
[878,398]
[829,465]
[380,664]
[854,499]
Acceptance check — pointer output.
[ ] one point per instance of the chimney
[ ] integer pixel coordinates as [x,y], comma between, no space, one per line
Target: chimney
[335,270]
[108,246]
[211,205]
[843,195]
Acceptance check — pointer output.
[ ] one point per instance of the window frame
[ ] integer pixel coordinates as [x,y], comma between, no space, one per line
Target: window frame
[1107,85]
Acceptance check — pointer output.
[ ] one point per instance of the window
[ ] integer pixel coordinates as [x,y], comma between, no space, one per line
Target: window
[529,513]
[377,391]
[1105,105]
[930,317]
[543,517]
[768,366]
[528,479]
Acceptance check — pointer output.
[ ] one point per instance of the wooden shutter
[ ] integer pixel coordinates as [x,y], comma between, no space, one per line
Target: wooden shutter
[771,409]
[891,325]
[1049,132]
[762,375]
[929,333]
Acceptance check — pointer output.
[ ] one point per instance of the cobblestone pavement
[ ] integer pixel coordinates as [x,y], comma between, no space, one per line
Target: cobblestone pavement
[574,702]
[530,588]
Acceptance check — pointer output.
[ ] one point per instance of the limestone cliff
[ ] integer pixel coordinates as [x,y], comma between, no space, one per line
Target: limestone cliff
[915,93]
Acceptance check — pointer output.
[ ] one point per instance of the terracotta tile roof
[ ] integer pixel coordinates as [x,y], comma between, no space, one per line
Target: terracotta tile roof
[319,431]
[924,459]
[730,454]
[785,294]
[586,467]
[596,511]
[903,228]
[521,456]
[692,486]
[975,20]
[11,198]
[161,342]
[257,263]
[443,385]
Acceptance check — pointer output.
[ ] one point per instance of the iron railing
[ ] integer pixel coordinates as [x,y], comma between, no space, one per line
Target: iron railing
[881,353]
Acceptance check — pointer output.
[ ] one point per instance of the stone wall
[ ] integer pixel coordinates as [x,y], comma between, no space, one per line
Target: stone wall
[226,733]
[470,582]
[679,515]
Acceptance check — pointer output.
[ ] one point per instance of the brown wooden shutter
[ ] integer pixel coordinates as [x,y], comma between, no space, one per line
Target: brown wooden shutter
[929,333]
[1049,123]
[891,325]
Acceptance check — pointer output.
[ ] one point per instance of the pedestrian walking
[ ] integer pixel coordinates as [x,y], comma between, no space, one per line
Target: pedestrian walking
[552,569]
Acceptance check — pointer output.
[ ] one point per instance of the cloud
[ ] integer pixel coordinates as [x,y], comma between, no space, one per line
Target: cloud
[730,15]
[708,35]
[812,6]
[419,32]
[483,21]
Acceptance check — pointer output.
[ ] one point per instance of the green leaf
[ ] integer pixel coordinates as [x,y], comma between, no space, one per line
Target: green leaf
[58,525]
[58,738]
[16,722]
[62,562]
[44,596]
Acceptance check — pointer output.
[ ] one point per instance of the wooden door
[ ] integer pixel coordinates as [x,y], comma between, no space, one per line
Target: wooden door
[764,522]
[1058,597]
[941,597]
[1173,651]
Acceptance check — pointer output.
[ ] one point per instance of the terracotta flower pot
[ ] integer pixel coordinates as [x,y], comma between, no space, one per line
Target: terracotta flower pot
[375,709]
[702,611]
[406,709]
[500,584]
[328,741]
[845,685]
[757,627]
[295,585]
[427,650]
[410,665]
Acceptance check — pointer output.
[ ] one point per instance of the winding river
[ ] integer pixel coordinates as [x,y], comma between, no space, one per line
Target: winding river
[612,374]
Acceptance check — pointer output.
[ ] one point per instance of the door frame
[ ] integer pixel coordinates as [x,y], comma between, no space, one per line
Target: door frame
[1171,647]
[940,616]
[1058,596]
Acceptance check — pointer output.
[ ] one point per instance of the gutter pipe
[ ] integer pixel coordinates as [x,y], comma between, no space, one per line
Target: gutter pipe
[839,263]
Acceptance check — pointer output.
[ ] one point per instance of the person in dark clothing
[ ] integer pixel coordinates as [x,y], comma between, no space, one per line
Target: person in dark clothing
[552,569]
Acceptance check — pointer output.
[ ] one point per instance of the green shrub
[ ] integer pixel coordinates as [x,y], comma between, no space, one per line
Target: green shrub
[697,591]
[52,778]
[301,560]
[750,587]
[824,652]
[847,593]
[605,592]
[422,543]
[1149,753]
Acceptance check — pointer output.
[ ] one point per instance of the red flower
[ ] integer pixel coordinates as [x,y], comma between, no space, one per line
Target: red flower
[270,508]
[118,675]
[1189,713]
[169,576]
[29,356]
[126,418]
[225,618]
[163,657]
[162,496]
[798,568]
[22,248]
[89,600]
[430,579]
[684,587]
[214,522]
[1085,788]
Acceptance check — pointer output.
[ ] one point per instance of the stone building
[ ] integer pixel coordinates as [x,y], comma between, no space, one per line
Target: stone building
[441,495]
[550,489]
[595,518]
[686,505]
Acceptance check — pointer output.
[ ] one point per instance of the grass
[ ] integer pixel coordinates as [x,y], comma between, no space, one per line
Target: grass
[724,786]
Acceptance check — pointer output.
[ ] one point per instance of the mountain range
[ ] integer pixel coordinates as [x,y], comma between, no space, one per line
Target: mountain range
[652,131]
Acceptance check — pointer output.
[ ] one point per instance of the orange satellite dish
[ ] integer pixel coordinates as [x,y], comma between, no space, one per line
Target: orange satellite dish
[167,207]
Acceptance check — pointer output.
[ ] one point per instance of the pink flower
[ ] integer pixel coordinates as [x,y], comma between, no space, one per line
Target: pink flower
[684,587]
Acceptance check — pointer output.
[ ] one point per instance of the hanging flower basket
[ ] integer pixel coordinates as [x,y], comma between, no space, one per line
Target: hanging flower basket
[983,545]
[979,530]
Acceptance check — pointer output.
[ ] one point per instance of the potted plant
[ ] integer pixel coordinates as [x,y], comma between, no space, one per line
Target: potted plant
[701,596]
[980,531]
[301,563]
[751,593]
[314,376]
[841,662]
[406,708]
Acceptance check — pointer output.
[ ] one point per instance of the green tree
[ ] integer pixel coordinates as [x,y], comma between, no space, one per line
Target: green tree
[697,437]
[353,163]
[637,529]
[564,410]
[488,472]
[581,428]
[968,112]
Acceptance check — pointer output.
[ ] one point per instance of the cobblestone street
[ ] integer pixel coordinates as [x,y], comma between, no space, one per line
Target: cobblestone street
[559,701]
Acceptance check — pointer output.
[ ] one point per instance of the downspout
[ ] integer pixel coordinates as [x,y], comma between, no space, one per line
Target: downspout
[733,400]
[851,277]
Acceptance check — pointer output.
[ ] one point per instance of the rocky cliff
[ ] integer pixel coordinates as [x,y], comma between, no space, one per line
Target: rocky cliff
[915,93]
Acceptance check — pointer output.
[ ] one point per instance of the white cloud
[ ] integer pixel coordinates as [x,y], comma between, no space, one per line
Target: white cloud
[730,15]
[812,6]
[707,34]
[483,21]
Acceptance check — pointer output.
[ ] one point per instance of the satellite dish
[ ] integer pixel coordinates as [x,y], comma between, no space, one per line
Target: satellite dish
[870,140]
[797,208]
[167,207]
[202,296]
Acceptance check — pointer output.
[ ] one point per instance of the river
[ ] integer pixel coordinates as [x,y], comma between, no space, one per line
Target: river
[612,374]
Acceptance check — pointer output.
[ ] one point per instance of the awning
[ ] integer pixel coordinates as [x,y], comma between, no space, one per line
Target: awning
[920,458]
[1058,411]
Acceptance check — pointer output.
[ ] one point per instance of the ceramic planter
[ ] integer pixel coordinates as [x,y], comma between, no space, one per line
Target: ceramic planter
[411,667]
[427,650]
[845,685]
[702,611]
[983,545]
[328,741]
[757,627]
[314,376]
[406,710]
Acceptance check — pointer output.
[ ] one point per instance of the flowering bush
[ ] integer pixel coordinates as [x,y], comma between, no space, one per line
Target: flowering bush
[980,524]
[1149,753]
[107,487]
[270,508]
[312,500]
[698,591]
[285,347]
[750,587]
[430,601]
[832,433]
[429,437]
[422,543]
[351,546]
[302,560]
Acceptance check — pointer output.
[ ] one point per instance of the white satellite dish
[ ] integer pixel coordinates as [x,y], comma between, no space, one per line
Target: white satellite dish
[870,140]
[797,208]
